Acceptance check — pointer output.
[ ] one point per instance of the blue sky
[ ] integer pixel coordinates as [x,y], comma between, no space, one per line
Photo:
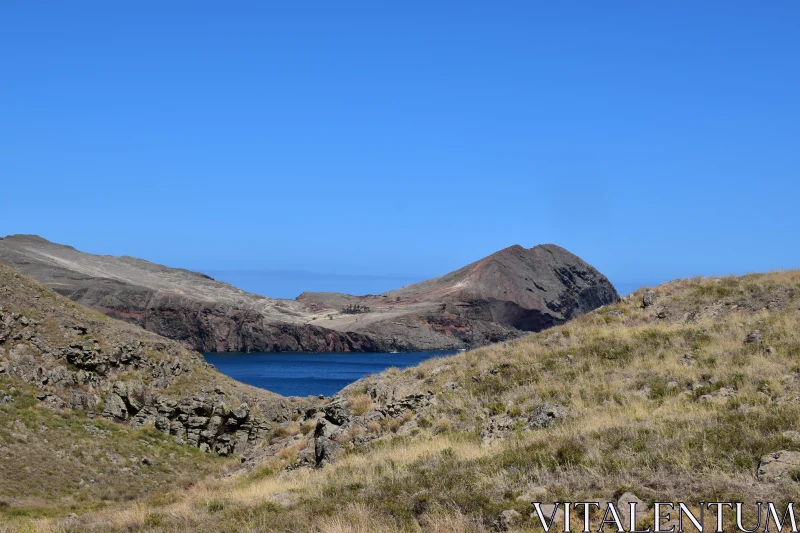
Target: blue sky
[654,139]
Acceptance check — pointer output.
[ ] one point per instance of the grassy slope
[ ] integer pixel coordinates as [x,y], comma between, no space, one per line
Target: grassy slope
[646,413]
[53,463]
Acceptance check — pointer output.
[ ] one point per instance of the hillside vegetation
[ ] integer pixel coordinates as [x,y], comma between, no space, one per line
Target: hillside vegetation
[687,398]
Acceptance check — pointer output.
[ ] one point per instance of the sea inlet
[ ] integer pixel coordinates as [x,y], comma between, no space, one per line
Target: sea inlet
[311,374]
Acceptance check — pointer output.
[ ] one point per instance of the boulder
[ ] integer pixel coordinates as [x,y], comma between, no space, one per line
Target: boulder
[197,422]
[325,448]
[201,406]
[214,425]
[507,519]
[305,457]
[145,417]
[178,429]
[222,410]
[546,415]
[241,413]
[624,508]
[193,436]
[132,393]
[779,466]
[162,424]
[114,408]
[82,400]
[166,406]
[224,445]
[649,299]
[754,337]
[337,412]
[326,429]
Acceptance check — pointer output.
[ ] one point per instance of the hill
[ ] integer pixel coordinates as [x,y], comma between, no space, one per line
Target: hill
[686,392]
[95,410]
[524,289]
[497,298]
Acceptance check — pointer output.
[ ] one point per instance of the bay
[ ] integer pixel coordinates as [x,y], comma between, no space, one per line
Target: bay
[311,374]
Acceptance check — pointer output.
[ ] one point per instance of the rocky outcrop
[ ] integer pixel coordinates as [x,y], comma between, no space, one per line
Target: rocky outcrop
[649,299]
[779,466]
[507,519]
[497,298]
[546,415]
[120,372]
[630,501]
[378,407]
[754,337]
[501,426]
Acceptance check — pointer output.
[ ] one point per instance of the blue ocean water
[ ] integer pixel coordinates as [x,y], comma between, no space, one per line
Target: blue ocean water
[306,374]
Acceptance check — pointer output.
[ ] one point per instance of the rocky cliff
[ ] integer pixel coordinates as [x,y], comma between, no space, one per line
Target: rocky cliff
[497,298]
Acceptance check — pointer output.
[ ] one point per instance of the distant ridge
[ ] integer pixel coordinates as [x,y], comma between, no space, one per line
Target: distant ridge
[496,298]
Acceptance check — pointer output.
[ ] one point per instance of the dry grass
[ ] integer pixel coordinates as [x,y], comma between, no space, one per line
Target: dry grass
[289,430]
[677,408]
[360,403]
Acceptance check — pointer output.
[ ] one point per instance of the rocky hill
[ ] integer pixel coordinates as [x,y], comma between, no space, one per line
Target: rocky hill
[76,387]
[203,314]
[497,298]
[686,392]
[513,290]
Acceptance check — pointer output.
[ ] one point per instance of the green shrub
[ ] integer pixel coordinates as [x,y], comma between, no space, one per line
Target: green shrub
[496,408]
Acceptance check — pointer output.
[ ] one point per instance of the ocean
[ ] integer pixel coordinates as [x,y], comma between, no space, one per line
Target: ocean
[311,374]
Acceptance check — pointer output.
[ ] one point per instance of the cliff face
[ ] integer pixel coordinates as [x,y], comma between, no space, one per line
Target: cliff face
[494,299]
[210,327]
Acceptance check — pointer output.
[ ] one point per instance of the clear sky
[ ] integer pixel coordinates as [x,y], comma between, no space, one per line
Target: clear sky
[654,139]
